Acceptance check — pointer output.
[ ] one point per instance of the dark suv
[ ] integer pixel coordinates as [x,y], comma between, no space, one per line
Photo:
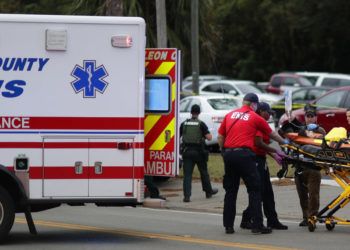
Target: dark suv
[330,107]
[282,81]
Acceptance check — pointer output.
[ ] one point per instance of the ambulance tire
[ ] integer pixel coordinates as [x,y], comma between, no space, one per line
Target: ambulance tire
[7,213]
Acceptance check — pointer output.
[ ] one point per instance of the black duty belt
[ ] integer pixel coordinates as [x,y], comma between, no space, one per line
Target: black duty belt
[237,149]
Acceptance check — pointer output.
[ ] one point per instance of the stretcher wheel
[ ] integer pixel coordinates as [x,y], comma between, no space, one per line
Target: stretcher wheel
[330,227]
[311,226]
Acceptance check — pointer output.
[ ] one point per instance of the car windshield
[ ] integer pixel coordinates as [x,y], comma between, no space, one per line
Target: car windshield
[311,79]
[248,88]
[223,103]
[305,82]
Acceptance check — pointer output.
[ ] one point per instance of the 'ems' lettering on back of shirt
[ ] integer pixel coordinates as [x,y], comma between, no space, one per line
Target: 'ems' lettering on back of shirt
[240,115]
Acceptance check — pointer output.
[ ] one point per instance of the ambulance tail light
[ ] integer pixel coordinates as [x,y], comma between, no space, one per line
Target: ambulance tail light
[124,145]
[217,119]
[121,41]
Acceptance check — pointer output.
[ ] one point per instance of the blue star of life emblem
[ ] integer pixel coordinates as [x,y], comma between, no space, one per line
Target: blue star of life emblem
[89,79]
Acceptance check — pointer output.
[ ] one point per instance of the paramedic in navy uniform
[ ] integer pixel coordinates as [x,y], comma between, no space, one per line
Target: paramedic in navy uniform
[236,139]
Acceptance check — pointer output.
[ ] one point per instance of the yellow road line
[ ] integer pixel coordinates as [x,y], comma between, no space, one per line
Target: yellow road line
[134,233]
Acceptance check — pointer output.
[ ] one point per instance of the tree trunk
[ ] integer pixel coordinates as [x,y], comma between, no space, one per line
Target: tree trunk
[114,7]
[195,46]
[161,24]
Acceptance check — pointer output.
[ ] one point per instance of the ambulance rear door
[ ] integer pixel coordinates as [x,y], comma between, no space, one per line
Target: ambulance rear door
[161,109]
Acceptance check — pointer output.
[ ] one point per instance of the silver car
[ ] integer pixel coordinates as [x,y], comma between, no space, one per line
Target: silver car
[213,111]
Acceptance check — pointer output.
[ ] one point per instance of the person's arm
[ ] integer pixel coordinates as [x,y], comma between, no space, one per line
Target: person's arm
[276,137]
[221,140]
[261,144]
[321,131]
[209,137]
[205,131]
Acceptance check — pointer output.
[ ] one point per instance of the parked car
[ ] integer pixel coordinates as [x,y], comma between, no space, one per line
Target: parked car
[186,85]
[326,79]
[333,80]
[311,76]
[237,88]
[187,81]
[282,81]
[213,110]
[299,98]
[330,107]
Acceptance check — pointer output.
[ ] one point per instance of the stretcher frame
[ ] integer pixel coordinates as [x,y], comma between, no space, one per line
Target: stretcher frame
[335,162]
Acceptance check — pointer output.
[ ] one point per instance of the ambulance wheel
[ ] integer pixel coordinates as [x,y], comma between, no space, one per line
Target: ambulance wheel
[7,213]
[330,227]
[311,226]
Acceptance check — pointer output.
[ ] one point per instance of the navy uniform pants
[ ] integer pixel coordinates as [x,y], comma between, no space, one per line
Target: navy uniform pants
[241,163]
[191,157]
[267,195]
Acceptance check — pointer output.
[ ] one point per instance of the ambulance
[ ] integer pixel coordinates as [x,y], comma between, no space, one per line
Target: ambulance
[86,111]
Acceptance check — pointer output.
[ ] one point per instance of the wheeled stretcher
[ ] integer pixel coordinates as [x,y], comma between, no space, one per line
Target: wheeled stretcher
[332,155]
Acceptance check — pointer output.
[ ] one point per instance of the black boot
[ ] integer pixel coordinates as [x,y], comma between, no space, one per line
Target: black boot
[210,194]
[262,230]
[277,225]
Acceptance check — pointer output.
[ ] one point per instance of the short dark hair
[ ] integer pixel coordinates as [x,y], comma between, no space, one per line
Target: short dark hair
[195,109]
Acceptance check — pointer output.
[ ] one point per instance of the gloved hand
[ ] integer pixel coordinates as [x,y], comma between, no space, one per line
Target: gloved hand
[278,158]
[280,153]
[312,126]
[286,141]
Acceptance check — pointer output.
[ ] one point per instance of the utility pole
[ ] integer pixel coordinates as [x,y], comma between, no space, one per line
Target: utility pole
[161,24]
[194,46]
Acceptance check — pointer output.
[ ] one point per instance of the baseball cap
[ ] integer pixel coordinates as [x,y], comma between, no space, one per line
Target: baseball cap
[195,109]
[251,97]
[310,110]
[263,106]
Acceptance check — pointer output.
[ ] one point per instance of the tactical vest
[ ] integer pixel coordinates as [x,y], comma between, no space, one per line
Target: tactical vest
[192,133]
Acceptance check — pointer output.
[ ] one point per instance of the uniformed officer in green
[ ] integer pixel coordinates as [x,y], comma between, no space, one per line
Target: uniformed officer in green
[194,132]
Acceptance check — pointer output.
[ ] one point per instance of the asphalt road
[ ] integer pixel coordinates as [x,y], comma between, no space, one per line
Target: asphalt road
[92,227]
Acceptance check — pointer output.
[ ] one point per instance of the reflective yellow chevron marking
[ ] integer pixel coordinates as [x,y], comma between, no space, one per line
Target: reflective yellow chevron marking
[164,68]
[160,142]
[150,121]
[173,91]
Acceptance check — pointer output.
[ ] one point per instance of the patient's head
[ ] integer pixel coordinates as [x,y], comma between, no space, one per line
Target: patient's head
[348,115]
[310,115]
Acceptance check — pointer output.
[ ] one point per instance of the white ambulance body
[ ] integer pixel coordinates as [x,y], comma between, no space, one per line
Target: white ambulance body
[72,112]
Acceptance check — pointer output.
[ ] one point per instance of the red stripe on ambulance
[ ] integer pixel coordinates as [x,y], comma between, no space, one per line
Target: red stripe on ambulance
[66,145]
[64,172]
[81,123]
